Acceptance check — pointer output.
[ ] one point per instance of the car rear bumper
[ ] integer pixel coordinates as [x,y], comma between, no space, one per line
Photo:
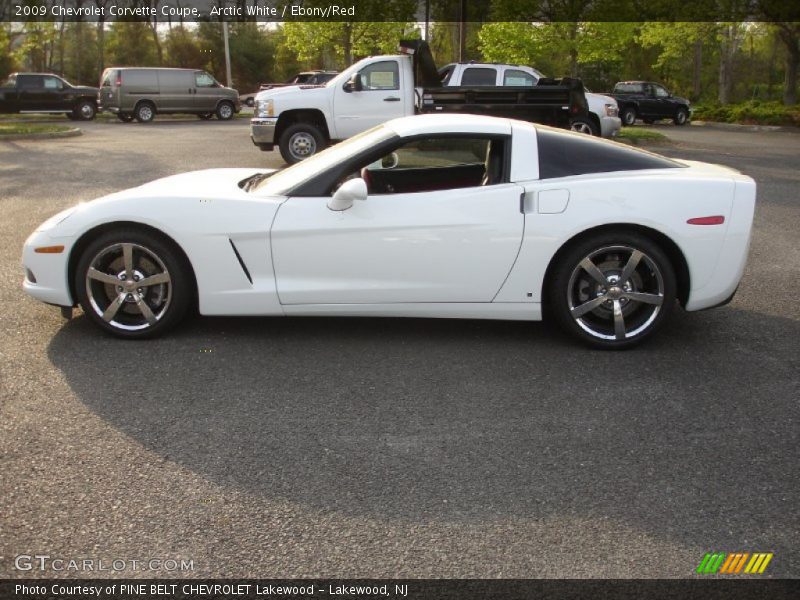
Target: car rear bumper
[262,131]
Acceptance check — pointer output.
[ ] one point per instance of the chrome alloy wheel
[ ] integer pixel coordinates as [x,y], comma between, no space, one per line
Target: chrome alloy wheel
[302,145]
[128,286]
[581,127]
[225,111]
[615,293]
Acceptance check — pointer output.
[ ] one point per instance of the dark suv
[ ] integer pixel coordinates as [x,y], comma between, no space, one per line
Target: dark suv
[47,93]
[649,102]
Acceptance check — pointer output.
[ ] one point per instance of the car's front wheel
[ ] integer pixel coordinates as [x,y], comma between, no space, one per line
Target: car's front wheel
[681,117]
[584,125]
[299,141]
[225,111]
[133,283]
[85,110]
[613,290]
[628,116]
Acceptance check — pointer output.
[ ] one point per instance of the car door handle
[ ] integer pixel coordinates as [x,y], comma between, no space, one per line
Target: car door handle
[392,99]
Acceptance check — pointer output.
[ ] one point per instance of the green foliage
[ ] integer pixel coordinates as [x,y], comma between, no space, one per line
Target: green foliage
[635,135]
[183,48]
[7,60]
[130,44]
[754,112]
[31,128]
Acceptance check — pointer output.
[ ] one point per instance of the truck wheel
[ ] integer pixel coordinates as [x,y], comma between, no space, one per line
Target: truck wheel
[681,117]
[85,110]
[145,112]
[125,117]
[584,125]
[225,111]
[628,116]
[299,141]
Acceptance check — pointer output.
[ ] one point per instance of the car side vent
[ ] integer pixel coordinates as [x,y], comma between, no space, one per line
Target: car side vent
[241,262]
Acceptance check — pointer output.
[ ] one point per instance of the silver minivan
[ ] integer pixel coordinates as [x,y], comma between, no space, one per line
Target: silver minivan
[142,92]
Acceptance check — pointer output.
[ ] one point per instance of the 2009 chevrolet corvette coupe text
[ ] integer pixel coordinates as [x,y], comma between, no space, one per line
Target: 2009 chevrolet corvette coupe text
[425,216]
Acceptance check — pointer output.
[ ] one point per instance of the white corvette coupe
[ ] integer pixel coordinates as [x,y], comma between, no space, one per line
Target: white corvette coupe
[428,216]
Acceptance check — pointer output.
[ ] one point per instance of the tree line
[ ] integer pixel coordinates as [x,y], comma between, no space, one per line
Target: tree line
[720,62]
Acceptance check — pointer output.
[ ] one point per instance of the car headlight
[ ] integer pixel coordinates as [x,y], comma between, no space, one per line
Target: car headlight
[265,108]
[612,110]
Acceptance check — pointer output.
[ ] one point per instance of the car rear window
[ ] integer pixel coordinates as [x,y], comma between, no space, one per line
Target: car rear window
[108,78]
[478,76]
[628,88]
[562,154]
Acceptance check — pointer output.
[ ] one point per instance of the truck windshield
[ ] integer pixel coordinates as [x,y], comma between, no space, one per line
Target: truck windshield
[282,182]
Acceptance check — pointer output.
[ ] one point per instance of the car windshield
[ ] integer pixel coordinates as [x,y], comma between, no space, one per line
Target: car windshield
[282,182]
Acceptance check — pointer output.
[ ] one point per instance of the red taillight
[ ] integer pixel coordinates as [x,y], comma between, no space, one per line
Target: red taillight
[118,82]
[715,220]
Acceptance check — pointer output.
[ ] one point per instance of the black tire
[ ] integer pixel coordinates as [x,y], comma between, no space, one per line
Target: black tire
[133,312]
[205,116]
[250,102]
[299,141]
[585,125]
[125,117]
[225,111]
[648,121]
[628,116]
[85,110]
[606,315]
[681,117]
[145,112]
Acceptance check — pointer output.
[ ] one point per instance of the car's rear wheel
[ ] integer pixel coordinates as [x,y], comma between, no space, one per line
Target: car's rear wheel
[133,284]
[613,290]
[681,117]
[628,116]
[145,112]
[225,111]
[299,141]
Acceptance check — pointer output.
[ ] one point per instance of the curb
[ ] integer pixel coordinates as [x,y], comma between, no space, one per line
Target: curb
[74,132]
[738,126]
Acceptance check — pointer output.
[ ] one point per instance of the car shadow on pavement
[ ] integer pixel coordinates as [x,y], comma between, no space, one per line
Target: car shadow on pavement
[691,437]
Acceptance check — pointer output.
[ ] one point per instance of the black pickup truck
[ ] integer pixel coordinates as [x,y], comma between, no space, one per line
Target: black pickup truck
[649,102]
[47,93]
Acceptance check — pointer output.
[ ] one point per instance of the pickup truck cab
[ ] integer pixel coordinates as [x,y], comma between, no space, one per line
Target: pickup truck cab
[302,120]
[649,102]
[47,93]
[602,120]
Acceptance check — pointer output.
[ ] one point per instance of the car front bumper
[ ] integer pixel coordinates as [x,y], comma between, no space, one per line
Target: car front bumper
[610,126]
[46,273]
[262,132]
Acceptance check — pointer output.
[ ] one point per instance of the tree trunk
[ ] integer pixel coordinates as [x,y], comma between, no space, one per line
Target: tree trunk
[573,50]
[790,36]
[347,44]
[697,70]
[731,37]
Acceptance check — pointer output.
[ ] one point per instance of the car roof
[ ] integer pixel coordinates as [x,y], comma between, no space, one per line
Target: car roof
[449,123]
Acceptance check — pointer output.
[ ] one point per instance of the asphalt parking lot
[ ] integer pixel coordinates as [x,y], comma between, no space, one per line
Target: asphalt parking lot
[395,448]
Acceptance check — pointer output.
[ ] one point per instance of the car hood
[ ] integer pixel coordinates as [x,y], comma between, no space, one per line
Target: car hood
[290,91]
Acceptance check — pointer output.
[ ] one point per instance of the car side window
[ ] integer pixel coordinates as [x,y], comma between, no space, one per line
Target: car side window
[383,75]
[203,79]
[435,163]
[30,82]
[514,77]
[52,83]
[660,92]
[478,76]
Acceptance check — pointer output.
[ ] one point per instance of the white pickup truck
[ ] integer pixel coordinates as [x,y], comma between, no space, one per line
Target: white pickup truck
[602,120]
[304,119]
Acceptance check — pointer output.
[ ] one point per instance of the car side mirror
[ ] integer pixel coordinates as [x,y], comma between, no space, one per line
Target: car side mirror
[350,191]
[353,84]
